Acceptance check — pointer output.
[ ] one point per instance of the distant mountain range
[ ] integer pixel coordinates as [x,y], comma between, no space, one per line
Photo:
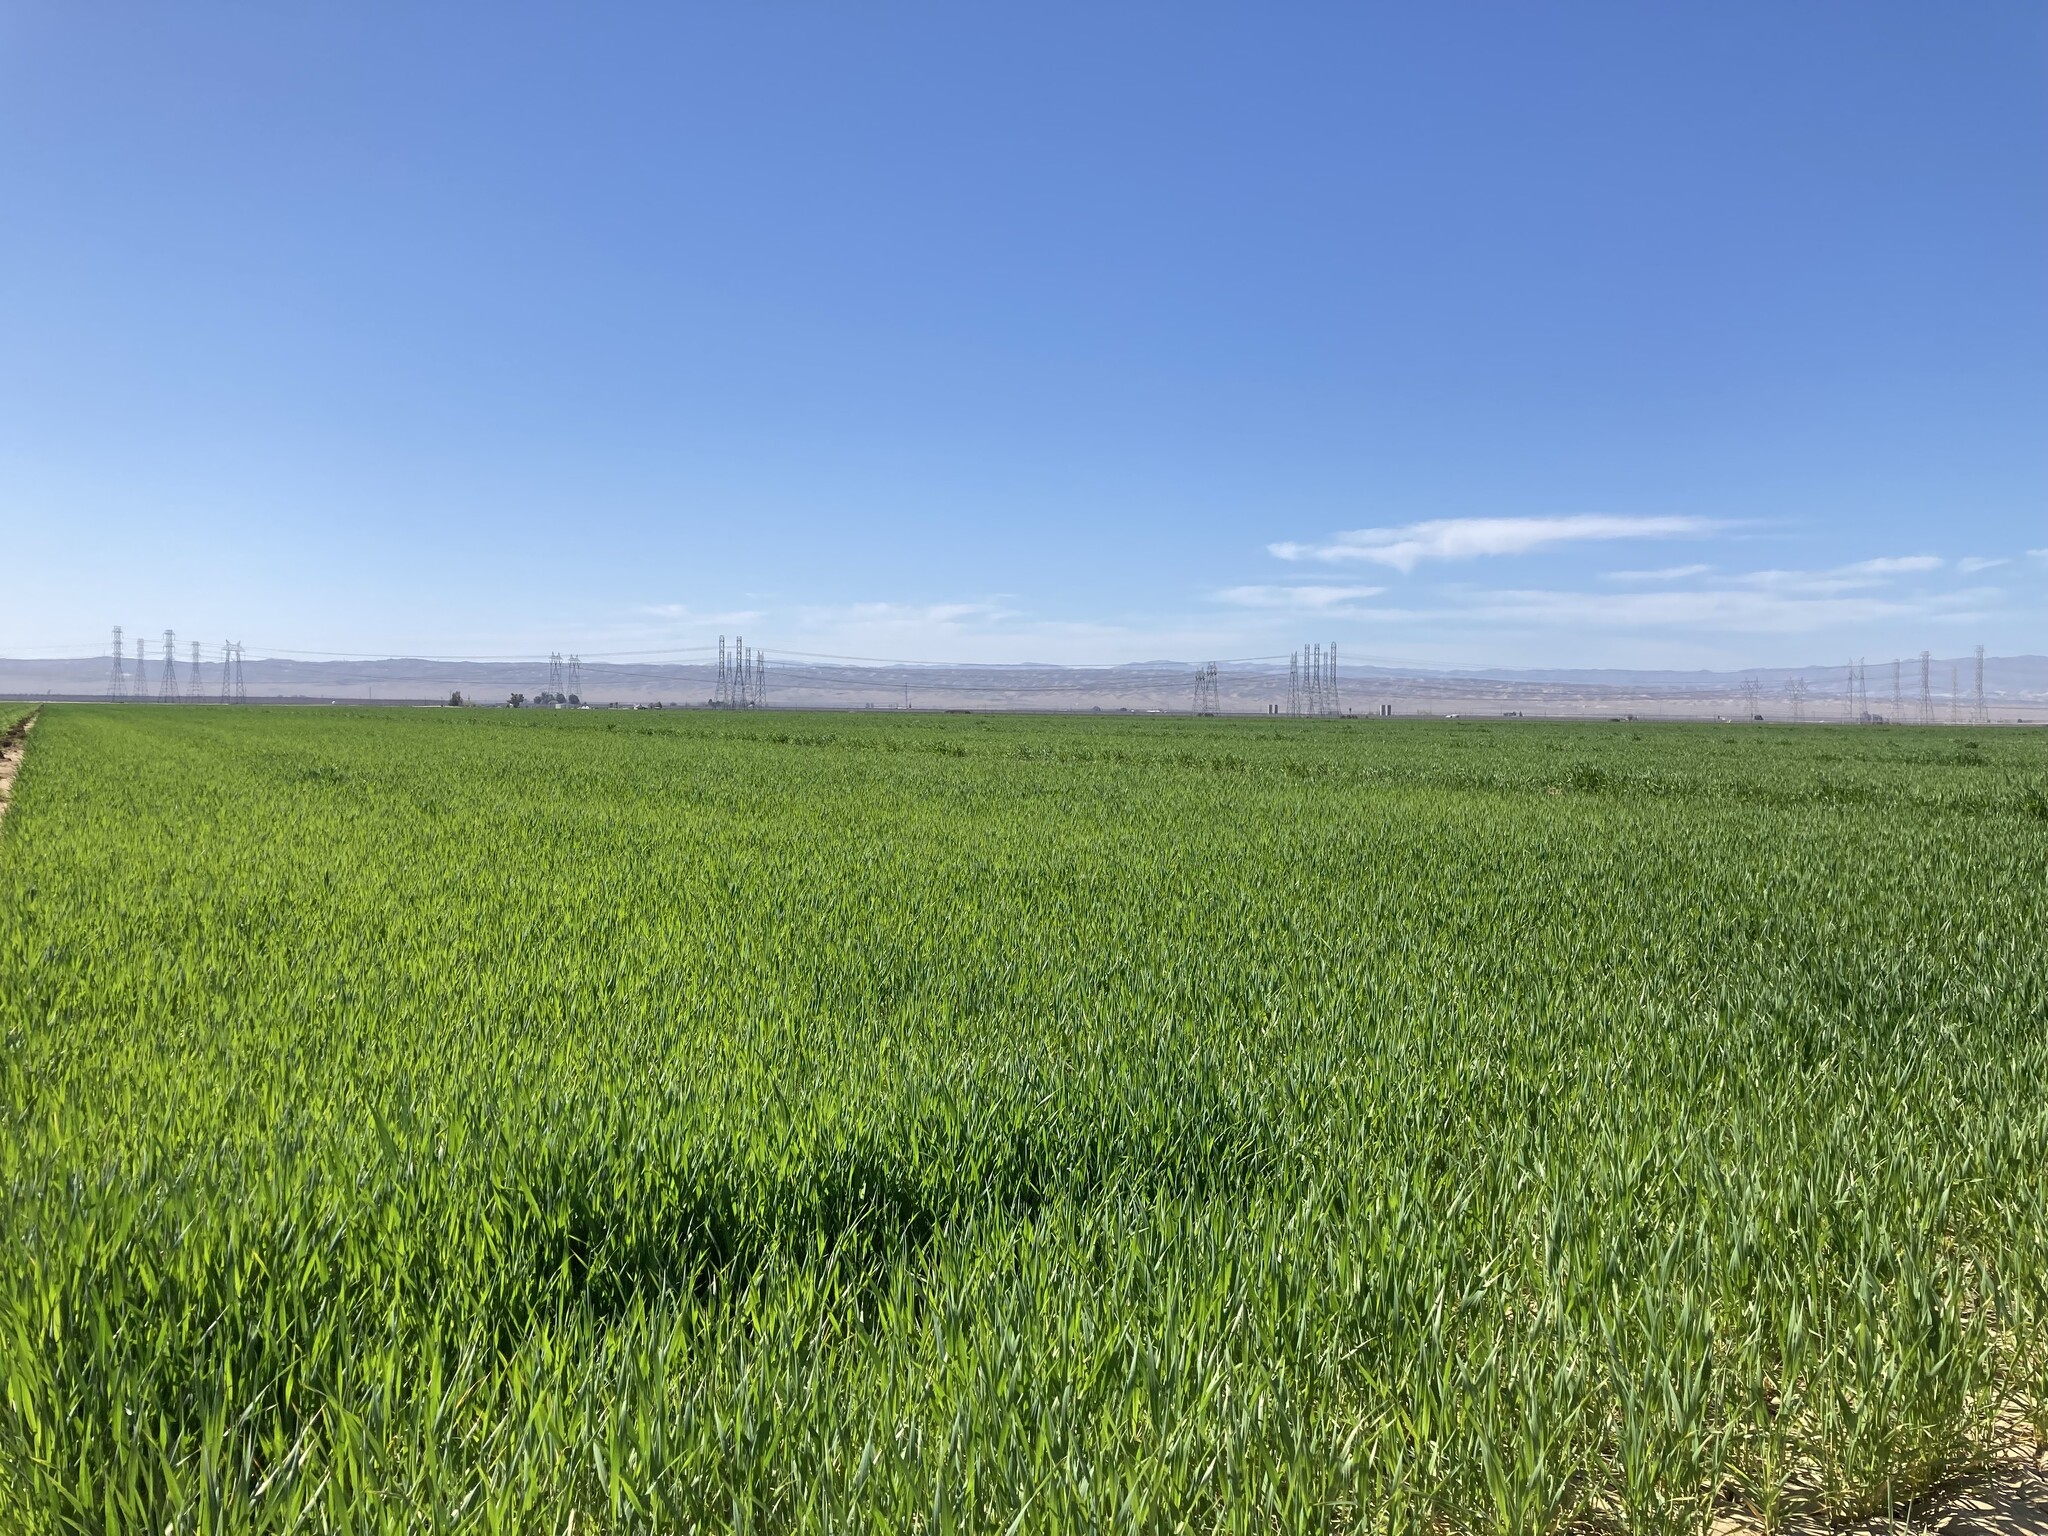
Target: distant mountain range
[2016,687]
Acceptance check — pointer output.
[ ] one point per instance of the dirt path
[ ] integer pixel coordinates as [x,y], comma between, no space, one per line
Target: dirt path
[12,745]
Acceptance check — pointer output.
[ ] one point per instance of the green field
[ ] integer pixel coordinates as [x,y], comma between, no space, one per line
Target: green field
[436,1120]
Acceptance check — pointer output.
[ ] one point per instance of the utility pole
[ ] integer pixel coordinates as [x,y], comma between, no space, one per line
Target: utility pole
[167,685]
[117,679]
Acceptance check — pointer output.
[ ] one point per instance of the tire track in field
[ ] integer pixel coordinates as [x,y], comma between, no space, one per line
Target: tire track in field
[13,745]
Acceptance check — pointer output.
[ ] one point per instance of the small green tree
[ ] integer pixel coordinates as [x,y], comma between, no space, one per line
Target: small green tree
[516,700]
[455,699]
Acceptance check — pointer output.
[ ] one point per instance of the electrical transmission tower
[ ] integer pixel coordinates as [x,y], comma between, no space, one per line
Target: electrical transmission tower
[227,656]
[140,688]
[167,685]
[241,688]
[1312,682]
[575,679]
[1859,692]
[1751,704]
[742,676]
[192,684]
[1205,690]
[1979,715]
[1955,696]
[555,689]
[117,679]
[1926,690]
[1898,695]
[1797,689]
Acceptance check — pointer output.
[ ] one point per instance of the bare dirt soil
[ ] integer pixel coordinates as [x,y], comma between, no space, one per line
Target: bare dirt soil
[12,745]
[2011,1499]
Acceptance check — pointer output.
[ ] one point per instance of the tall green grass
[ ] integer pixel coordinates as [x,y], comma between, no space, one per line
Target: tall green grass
[482,1121]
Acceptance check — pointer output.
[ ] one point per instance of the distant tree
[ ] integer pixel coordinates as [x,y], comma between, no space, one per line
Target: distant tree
[516,700]
[575,702]
[455,699]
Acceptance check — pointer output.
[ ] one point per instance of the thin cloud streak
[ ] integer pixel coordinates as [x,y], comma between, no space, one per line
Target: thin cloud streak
[1718,610]
[1466,538]
[1311,598]
[1668,573]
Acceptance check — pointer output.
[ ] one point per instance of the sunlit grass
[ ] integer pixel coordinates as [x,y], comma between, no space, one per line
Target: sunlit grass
[466,1120]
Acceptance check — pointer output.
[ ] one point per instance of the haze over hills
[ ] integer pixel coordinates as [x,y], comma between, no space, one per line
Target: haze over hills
[2015,687]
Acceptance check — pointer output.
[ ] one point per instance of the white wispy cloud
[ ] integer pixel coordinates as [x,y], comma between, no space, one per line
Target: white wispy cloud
[2038,554]
[1972,563]
[1895,565]
[909,615]
[1313,598]
[1723,609]
[1466,538]
[1807,583]
[1668,573]
[684,613]
[1716,610]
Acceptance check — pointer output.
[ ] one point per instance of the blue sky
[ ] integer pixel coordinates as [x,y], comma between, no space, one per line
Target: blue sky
[1603,334]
